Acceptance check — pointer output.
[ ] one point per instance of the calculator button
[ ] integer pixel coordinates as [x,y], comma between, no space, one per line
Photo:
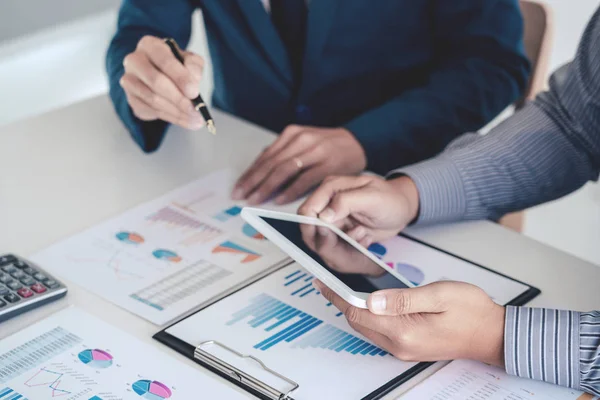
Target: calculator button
[4,291]
[39,276]
[12,298]
[29,271]
[18,274]
[51,283]
[2,303]
[38,288]
[5,260]
[5,278]
[20,264]
[25,292]
[27,281]
[14,285]
[9,269]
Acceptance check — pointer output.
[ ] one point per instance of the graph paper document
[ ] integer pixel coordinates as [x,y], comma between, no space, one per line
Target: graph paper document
[471,380]
[170,255]
[72,355]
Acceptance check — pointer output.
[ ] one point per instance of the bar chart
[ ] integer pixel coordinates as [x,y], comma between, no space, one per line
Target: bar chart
[287,324]
[300,284]
[35,352]
[9,394]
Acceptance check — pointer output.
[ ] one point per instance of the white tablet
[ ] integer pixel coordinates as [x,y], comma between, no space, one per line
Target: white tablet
[329,254]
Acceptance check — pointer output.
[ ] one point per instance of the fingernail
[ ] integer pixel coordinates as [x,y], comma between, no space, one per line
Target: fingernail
[238,194]
[327,215]
[254,199]
[191,90]
[378,303]
[280,200]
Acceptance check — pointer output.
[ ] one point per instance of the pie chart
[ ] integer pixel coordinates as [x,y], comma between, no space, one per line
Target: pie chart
[95,358]
[378,250]
[166,255]
[249,231]
[151,390]
[130,237]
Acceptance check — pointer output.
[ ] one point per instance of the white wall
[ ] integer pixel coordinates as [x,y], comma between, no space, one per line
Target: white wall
[20,17]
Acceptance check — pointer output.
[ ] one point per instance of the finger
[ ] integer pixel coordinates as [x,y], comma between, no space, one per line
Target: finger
[195,64]
[320,199]
[358,233]
[347,204]
[302,185]
[286,136]
[141,109]
[131,84]
[356,317]
[139,64]
[162,57]
[239,190]
[425,299]
[263,179]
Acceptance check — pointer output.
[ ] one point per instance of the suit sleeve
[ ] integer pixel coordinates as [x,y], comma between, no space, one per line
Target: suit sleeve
[480,69]
[138,18]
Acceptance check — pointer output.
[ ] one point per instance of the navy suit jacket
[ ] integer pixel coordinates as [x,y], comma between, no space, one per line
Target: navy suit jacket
[404,76]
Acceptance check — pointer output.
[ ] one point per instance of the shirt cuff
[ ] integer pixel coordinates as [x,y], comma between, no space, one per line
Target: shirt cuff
[442,196]
[543,344]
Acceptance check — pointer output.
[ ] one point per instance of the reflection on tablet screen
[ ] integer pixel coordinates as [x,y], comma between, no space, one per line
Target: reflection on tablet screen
[335,254]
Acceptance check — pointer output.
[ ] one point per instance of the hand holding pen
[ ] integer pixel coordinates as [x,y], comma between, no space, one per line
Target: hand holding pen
[158,85]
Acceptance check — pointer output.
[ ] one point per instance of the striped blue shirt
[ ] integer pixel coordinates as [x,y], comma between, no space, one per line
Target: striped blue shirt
[549,149]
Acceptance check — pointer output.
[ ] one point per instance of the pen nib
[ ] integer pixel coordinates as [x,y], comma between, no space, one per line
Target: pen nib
[210,125]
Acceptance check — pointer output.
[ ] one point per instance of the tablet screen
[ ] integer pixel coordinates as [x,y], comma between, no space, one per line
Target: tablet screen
[335,254]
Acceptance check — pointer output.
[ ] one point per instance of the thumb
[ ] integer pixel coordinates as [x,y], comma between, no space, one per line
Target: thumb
[424,299]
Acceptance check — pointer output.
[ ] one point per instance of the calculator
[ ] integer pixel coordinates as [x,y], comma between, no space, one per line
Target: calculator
[25,286]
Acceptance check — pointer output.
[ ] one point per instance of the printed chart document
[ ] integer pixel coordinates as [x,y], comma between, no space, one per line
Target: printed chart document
[422,264]
[72,355]
[168,256]
[285,323]
[471,380]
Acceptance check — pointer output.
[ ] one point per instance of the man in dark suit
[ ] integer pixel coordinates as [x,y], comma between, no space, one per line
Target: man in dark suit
[350,84]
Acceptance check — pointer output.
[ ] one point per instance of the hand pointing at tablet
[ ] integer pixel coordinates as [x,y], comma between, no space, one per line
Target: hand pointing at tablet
[367,208]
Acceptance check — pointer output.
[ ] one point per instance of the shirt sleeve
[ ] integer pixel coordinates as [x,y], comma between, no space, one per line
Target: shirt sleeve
[559,347]
[549,149]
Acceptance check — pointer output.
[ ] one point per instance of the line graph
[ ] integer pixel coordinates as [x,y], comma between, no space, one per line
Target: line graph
[49,378]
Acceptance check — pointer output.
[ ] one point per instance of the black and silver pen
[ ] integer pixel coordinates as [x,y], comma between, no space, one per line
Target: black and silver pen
[198,102]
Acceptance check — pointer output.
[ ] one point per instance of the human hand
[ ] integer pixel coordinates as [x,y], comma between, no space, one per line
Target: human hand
[298,160]
[439,321]
[367,208]
[158,86]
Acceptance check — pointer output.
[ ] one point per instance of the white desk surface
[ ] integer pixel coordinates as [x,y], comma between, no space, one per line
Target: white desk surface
[72,168]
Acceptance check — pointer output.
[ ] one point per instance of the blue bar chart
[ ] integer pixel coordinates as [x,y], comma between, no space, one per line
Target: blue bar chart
[300,284]
[9,394]
[298,327]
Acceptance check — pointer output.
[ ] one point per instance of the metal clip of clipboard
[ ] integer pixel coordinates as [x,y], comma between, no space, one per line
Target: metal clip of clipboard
[246,379]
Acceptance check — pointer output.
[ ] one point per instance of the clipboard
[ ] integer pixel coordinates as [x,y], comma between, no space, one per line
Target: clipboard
[261,379]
